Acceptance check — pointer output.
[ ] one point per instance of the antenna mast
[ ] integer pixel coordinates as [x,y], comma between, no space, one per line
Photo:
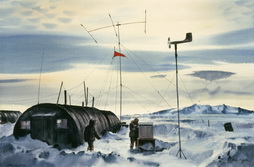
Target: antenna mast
[117,33]
[120,66]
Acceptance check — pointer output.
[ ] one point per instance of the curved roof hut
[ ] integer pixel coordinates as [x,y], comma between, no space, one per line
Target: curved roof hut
[8,116]
[63,125]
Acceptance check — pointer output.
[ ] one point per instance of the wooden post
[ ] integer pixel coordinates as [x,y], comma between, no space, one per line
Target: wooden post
[59,93]
[65,97]
[93,103]
[86,96]
[85,93]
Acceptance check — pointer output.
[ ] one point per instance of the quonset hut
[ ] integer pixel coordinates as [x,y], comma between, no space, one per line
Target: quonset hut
[8,116]
[63,125]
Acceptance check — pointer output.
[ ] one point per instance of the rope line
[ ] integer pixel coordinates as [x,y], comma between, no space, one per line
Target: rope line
[148,80]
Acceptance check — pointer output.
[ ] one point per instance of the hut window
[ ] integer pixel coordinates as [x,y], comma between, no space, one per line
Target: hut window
[25,125]
[62,123]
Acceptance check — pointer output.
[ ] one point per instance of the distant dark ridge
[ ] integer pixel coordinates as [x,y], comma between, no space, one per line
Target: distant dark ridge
[162,112]
[207,109]
[220,109]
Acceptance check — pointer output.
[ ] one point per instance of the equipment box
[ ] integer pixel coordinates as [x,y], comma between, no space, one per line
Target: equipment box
[145,139]
[145,130]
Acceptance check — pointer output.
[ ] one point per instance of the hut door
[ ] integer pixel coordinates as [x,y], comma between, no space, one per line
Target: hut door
[43,128]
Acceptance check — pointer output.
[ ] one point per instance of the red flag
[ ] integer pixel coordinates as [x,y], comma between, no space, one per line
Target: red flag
[118,54]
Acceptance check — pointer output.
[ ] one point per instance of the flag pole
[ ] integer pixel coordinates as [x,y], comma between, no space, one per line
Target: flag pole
[120,69]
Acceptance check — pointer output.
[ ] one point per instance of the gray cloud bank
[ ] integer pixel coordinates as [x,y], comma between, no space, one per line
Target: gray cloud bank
[12,80]
[212,75]
[24,53]
[242,36]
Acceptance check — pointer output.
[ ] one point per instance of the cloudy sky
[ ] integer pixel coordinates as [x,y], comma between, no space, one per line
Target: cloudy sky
[42,44]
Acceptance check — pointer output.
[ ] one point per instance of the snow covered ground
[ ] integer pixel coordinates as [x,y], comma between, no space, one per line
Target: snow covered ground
[204,143]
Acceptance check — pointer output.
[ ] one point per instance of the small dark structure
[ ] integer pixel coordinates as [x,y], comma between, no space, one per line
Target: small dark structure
[228,127]
[63,125]
[8,116]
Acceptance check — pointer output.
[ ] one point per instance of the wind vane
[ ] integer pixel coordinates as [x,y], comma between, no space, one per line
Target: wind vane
[119,54]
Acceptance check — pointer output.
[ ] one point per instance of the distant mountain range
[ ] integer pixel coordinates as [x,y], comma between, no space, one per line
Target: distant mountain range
[207,109]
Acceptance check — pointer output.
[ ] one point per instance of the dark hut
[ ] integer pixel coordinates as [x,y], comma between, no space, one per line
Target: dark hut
[8,116]
[63,125]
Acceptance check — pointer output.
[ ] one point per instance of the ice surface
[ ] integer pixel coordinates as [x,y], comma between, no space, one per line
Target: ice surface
[204,143]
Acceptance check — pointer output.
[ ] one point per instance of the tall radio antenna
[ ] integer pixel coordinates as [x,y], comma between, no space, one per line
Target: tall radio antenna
[117,33]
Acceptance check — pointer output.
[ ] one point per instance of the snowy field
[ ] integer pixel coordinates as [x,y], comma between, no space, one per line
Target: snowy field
[205,143]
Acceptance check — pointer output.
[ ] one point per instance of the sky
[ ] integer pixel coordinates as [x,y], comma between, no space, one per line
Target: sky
[42,45]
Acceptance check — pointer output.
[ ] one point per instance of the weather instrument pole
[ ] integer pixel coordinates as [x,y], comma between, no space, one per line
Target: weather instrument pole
[187,39]
[119,47]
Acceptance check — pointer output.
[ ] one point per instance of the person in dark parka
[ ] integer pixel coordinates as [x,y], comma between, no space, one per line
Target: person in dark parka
[90,134]
[134,132]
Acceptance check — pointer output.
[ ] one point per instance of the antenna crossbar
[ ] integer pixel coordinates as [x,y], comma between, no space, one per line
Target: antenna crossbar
[113,25]
[131,23]
[100,28]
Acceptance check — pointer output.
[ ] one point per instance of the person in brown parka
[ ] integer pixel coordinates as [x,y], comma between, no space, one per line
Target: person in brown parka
[90,134]
[134,126]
